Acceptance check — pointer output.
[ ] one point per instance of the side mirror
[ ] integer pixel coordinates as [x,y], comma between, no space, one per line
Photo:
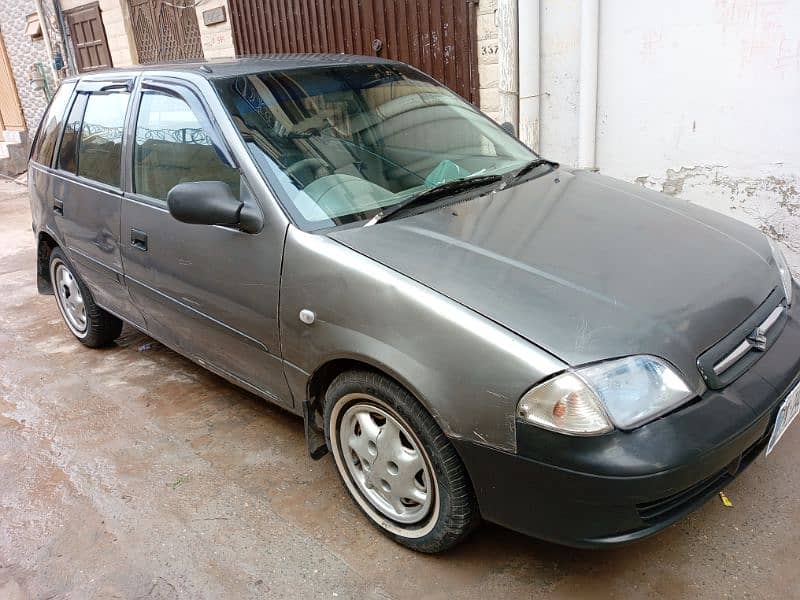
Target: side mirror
[204,203]
[508,127]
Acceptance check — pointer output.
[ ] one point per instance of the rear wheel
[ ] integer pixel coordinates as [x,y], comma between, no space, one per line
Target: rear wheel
[93,326]
[397,464]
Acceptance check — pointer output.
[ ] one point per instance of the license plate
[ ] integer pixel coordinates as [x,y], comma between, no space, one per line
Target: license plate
[786,414]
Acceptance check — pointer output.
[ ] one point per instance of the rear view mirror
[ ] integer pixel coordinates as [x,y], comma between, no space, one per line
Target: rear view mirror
[508,127]
[204,203]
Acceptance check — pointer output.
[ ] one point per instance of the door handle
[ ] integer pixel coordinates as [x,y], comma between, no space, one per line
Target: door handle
[139,240]
[58,206]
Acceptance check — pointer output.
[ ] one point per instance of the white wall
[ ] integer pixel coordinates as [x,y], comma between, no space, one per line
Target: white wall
[701,100]
[559,70]
[696,98]
[217,39]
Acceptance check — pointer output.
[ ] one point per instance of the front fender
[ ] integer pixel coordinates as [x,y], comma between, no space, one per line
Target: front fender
[468,371]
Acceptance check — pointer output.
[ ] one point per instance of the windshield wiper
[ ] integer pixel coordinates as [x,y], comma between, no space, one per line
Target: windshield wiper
[442,190]
[510,178]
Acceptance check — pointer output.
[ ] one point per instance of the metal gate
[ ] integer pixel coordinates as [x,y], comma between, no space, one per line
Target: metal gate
[436,37]
[165,30]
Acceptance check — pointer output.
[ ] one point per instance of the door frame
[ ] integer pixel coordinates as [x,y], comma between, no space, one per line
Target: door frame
[9,95]
[113,299]
[207,110]
[205,94]
[194,99]
[186,30]
[104,41]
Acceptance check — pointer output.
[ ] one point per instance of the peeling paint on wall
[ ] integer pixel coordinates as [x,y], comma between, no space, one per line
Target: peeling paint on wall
[769,201]
[699,100]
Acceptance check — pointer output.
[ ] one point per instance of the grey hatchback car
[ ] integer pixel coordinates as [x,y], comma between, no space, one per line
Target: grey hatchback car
[471,330]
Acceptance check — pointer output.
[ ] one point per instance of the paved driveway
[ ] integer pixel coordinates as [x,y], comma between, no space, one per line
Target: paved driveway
[132,473]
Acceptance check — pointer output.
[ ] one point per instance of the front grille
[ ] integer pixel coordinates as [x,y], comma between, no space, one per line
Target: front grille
[677,504]
[738,351]
[757,340]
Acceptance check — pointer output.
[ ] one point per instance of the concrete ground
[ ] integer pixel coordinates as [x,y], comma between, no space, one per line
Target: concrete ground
[131,472]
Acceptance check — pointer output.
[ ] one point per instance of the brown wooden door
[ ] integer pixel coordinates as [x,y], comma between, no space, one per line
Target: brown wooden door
[88,37]
[437,37]
[165,30]
[10,110]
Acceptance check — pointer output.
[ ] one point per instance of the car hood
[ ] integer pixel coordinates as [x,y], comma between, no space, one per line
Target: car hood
[585,266]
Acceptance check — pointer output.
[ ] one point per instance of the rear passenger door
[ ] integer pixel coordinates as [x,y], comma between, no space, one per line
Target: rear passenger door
[86,190]
[211,292]
[46,214]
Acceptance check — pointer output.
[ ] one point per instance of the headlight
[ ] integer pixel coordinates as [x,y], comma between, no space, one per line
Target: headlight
[783,269]
[565,404]
[591,400]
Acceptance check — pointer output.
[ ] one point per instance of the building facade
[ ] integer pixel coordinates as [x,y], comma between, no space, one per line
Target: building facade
[43,41]
[439,37]
[26,54]
[695,99]
[147,31]
[25,81]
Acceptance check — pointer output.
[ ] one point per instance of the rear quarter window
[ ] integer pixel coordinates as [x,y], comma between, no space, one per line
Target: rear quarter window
[50,126]
[68,150]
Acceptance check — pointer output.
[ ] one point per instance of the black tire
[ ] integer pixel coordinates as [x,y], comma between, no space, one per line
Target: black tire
[101,328]
[453,514]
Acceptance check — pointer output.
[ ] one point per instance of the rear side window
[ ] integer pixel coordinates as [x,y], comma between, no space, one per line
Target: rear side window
[172,147]
[100,146]
[68,150]
[51,126]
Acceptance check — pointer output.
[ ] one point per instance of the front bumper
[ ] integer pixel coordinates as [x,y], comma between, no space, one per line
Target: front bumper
[624,486]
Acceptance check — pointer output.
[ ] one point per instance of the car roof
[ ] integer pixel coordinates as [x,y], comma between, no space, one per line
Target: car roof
[218,68]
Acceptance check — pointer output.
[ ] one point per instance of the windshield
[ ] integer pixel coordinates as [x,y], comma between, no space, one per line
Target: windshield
[346,142]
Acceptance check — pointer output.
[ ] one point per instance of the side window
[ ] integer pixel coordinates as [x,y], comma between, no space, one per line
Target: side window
[51,126]
[68,150]
[173,147]
[100,146]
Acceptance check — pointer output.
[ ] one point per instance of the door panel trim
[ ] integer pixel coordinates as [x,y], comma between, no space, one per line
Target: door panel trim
[219,324]
[161,205]
[266,394]
[96,264]
[80,180]
[147,201]
[204,364]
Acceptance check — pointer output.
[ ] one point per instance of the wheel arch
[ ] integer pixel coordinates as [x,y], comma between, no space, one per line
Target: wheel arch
[324,374]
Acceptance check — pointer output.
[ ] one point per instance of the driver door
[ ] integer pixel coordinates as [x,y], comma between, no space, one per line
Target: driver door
[210,292]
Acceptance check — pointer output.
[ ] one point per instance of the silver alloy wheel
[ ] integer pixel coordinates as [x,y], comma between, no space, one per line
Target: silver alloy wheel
[386,463]
[70,299]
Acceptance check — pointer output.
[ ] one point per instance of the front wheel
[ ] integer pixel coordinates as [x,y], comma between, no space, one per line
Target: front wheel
[93,326]
[397,464]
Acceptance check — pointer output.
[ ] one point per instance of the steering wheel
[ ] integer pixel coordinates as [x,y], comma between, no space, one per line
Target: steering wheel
[307,163]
